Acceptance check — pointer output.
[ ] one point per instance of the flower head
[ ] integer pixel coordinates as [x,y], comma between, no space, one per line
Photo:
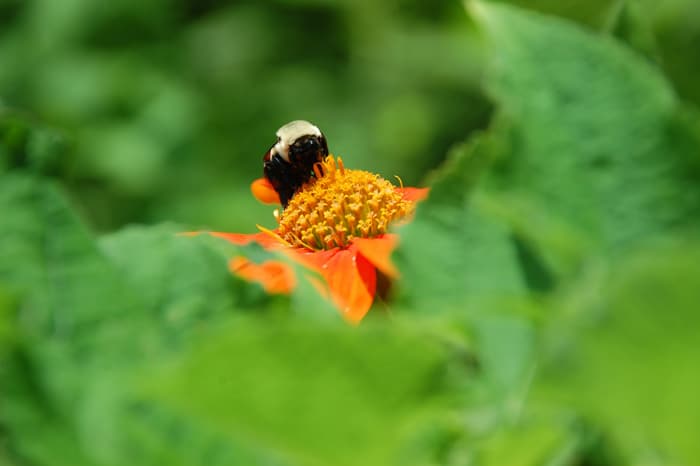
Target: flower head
[337,225]
[340,206]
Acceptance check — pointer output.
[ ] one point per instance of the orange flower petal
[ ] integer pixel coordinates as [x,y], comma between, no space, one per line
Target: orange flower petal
[264,192]
[414,194]
[274,276]
[262,238]
[378,252]
[312,259]
[351,279]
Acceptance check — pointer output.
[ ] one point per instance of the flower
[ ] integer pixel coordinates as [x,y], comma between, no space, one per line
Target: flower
[337,225]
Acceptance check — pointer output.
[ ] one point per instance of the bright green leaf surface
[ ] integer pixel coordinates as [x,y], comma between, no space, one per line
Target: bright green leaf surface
[339,396]
[455,251]
[46,254]
[634,367]
[575,174]
[595,134]
[179,279]
[66,293]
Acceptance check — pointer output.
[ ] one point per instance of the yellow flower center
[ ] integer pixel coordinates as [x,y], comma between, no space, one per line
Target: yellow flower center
[339,205]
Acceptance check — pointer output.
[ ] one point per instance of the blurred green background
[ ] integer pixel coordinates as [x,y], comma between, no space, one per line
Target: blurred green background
[549,301]
[161,110]
[164,109]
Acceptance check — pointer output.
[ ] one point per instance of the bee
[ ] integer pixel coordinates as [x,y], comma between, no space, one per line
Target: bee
[290,161]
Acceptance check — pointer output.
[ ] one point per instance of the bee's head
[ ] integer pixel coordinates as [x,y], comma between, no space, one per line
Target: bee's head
[299,142]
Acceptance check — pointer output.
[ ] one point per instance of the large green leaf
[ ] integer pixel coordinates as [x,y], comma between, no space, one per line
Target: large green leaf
[455,252]
[66,293]
[597,139]
[625,353]
[179,280]
[314,394]
[591,153]
[46,255]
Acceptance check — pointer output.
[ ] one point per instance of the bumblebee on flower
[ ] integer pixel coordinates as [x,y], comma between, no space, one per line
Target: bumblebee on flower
[334,221]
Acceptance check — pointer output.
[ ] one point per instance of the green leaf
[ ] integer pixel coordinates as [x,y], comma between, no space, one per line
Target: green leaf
[506,349]
[459,262]
[594,138]
[49,258]
[455,253]
[179,280]
[184,281]
[316,394]
[627,359]
[66,293]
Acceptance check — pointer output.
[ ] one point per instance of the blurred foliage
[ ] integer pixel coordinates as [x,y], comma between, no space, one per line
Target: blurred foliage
[169,106]
[547,309]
